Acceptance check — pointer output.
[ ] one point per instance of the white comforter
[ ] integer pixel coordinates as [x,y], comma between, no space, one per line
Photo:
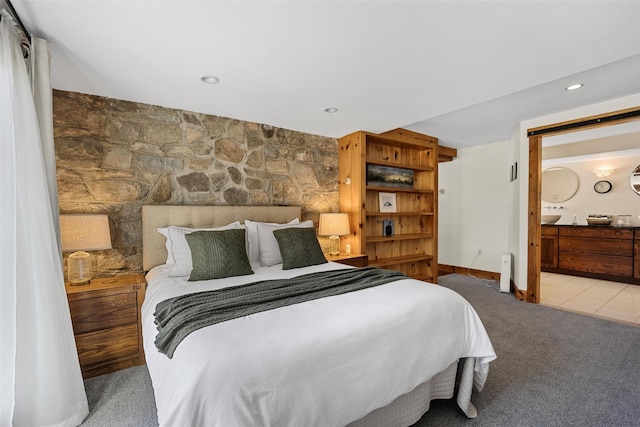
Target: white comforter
[325,362]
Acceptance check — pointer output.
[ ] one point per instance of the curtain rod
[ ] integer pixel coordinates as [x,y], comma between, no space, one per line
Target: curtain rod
[15,16]
[26,42]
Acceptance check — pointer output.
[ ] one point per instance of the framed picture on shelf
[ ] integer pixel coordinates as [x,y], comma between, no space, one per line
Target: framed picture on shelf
[387,202]
[387,227]
[386,176]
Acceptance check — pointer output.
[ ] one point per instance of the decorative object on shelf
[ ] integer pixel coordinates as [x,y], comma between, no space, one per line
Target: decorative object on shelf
[603,173]
[387,202]
[334,225]
[597,219]
[602,187]
[386,176]
[387,227]
[81,233]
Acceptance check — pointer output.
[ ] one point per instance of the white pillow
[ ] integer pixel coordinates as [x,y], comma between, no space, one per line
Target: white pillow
[178,252]
[268,245]
[252,237]
[165,232]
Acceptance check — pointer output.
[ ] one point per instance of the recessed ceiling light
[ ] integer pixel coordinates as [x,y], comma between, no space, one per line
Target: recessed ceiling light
[330,110]
[210,79]
[574,87]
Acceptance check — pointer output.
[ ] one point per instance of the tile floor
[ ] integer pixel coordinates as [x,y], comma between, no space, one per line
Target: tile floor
[611,300]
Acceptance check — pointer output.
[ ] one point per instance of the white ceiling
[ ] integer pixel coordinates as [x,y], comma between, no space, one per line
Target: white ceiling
[466,72]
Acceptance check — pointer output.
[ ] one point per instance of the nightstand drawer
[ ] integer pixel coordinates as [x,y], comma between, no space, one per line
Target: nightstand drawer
[107,345]
[103,312]
[354,260]
[106,323]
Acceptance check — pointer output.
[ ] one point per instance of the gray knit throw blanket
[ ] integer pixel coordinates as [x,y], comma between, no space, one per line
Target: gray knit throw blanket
[179,316]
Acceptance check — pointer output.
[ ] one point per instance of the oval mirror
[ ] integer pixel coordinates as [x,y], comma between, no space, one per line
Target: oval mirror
[635,180]
[558,184]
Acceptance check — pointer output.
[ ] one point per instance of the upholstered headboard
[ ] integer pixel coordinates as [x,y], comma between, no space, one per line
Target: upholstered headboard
[154,251]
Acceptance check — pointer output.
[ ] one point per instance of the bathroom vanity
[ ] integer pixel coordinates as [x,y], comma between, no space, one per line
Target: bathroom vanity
[601,252]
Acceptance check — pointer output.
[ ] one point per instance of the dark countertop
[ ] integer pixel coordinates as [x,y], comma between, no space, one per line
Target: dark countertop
[590,226]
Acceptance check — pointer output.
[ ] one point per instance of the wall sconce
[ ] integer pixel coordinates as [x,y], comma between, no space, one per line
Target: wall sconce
[602,173]
[82,233]
[334,225]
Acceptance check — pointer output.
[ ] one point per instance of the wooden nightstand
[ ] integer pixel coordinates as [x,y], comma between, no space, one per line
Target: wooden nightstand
[355,260]
[106,323]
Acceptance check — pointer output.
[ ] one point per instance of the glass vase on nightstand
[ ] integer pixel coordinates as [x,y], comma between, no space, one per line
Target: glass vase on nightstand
[79,265]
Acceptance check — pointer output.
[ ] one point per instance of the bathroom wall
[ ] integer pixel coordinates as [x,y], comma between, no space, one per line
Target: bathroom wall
[621,200]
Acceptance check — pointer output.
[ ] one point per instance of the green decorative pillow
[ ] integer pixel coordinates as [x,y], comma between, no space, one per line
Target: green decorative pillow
[218,254]
[299,247]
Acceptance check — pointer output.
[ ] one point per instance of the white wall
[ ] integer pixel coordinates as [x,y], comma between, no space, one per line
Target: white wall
[480,208]
[473,207]
[621,200]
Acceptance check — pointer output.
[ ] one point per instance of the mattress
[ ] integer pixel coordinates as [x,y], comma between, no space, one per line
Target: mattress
[327,362]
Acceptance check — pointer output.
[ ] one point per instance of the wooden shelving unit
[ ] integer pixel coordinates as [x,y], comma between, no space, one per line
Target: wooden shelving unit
[392,214]
[396,190]
[413,247]
[406,236]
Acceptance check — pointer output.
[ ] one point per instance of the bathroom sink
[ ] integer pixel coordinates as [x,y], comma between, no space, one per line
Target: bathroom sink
[550,219]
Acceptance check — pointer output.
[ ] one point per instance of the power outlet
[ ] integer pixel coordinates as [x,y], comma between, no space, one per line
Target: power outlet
[347,249]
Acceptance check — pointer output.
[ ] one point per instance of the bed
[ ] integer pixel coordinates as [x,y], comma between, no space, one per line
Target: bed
[371,357]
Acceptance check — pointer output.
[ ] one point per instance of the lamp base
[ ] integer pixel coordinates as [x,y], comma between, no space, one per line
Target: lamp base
[336,248]
[79,268]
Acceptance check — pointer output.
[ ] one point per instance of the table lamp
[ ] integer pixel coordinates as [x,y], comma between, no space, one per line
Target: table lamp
[82,233]
[334,225]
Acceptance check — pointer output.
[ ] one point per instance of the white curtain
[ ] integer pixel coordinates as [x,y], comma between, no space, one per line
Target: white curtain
[39,370]
[42,96]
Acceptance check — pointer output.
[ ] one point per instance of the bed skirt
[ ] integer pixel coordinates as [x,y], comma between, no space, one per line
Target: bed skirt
[407,409]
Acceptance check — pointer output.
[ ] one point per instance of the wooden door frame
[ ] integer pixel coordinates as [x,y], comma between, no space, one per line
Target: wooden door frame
[535,136]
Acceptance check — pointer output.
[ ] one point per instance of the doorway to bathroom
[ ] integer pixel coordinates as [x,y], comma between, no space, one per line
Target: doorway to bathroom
[536,136]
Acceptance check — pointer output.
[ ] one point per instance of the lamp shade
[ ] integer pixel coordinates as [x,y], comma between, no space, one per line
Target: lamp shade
[85,232]
[334,224]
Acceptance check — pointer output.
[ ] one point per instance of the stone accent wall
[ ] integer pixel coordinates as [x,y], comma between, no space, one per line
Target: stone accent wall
[114,156]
